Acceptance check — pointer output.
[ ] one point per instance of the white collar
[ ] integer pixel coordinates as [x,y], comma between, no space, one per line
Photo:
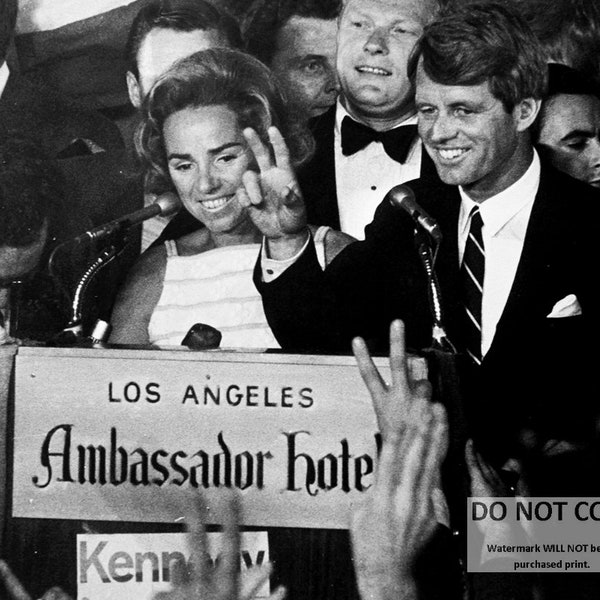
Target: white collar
[341,112]
[4,74]
[498,210]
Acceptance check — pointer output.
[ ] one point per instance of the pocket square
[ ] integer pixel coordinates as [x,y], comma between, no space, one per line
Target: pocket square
[566,307]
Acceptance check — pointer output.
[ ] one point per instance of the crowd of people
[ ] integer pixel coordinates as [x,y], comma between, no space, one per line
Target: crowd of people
[280,133]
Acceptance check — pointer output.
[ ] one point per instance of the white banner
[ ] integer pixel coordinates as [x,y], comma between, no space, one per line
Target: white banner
[117,435]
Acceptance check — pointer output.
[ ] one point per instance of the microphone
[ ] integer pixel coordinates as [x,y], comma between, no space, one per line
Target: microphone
[202,337]
[402,196]
[165,205]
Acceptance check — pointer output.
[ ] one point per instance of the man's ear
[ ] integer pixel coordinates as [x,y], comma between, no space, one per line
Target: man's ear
[133,87]
[525,112]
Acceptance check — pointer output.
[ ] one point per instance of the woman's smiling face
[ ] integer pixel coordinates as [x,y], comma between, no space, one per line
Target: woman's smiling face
[207,156]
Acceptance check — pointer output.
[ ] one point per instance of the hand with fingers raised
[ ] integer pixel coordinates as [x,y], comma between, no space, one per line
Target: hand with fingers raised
[205,581]
[397,519]
[273,197]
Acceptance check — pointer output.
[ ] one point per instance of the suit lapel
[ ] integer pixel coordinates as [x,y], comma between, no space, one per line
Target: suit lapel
[525,295]
[317,177]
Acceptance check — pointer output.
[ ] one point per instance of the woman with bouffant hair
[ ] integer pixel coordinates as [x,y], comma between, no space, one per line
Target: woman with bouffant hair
[194,140]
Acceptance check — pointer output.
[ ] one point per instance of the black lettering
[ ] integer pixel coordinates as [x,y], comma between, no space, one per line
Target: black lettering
[291,464]
[190,394]
[306,399]
[204,465]
[251,394]
[286,394]
[158,466]
[139,470]
[137,392]
[216,398]
[178,468]
[152,393]
[226,454]
[114,450]
[65,453]
[237,397]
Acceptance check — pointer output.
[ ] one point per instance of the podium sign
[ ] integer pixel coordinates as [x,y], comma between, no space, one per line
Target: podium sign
[120,434]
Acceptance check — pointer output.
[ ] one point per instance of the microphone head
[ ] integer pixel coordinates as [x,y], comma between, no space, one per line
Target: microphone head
[169,203]
[401,196]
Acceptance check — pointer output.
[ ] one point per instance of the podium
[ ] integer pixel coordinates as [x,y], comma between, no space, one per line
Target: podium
[111,439]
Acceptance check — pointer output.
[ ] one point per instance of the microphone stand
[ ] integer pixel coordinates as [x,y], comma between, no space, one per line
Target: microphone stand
[444,375]
[73,332]
[76,321]
[440,340]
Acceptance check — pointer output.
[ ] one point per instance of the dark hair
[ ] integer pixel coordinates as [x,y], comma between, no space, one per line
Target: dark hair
[213,77]
[30,192]
[563,80]
[270,17]
[8,19]
[569,31]
[483,41]
[179,15]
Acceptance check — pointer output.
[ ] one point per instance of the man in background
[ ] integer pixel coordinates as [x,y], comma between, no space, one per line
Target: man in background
[568,128]
[297,40]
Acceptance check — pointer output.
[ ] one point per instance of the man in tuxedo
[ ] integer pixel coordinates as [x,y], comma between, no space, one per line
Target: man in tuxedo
[368,142]
[514,264]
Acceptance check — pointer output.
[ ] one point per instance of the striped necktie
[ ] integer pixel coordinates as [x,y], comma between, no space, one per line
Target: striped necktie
[472,272]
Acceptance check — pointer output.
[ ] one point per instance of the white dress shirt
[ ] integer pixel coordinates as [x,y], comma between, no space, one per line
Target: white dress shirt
[505,219]
[364,178]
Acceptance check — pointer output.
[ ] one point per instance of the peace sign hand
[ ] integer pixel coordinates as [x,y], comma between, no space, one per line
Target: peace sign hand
[272,195]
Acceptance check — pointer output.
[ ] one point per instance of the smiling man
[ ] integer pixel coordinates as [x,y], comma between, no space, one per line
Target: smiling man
[368,142]
[514,262]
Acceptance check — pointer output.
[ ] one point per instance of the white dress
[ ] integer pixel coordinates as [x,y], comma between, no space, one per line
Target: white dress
[215,288]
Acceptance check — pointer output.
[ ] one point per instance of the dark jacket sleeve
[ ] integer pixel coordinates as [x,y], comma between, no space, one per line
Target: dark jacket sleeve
[367,285]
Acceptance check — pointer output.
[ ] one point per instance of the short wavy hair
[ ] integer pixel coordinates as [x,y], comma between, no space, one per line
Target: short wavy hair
[216,76]
[483,41]
[179,15]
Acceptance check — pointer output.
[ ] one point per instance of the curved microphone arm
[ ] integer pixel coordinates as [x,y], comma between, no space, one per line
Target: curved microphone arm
[105,257]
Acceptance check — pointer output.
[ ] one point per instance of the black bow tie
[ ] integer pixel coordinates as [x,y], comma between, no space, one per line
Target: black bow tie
[396,142]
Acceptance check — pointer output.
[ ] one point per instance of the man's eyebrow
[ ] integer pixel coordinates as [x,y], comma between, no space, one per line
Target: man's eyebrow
[577,133]
[313,57]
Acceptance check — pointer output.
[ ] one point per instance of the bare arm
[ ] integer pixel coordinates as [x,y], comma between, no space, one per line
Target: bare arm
[397,519]
[138,298]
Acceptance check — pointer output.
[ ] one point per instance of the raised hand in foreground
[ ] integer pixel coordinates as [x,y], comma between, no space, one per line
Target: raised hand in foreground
[397,519]
[203,581]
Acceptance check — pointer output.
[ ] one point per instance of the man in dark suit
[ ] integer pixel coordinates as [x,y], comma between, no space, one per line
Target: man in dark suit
[514,264]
